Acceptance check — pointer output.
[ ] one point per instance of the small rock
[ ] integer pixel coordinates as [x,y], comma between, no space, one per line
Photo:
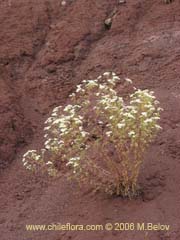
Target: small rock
[63,3]
[108,23]
[168,1]
[19,196]
[121,1]
[51,68]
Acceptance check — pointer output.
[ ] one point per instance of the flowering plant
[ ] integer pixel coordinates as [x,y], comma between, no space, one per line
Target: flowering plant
[100,136]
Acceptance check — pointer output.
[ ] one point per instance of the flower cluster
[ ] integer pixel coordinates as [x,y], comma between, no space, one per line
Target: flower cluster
[96,122]
[64,138]
[36,162]
[131,127]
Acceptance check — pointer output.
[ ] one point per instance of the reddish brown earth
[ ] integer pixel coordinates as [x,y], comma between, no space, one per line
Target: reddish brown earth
[45,50]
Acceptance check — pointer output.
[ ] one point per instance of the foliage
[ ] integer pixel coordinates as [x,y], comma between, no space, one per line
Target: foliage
[100,136]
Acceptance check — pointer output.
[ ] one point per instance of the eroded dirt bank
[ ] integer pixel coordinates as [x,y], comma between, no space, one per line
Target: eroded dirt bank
[45,50]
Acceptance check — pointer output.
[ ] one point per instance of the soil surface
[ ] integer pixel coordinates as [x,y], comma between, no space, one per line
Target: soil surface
[46,49]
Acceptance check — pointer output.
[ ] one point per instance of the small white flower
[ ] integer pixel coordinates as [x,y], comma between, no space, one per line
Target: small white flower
[56,109]
[156,102]
[54,114]
[156,118]
[84,134]
[29,152]
[158,127]
[128,80]
[37,157]
[86,102]
[91,84]
[112,91]
[136,101]
[73,161]
[49,163]
[28,167]
[109,133]
[149,120]
[79,88]
[152,108]
[103,101]
[129,115]
[120,125]
[160,109]
[47,128]
[116,78]
[131,133]
[63,133]
[72,95]
[63,130]
[134,111]
[77,121]
[80,117]
[26,154]
[47,142]
[101,86]
[62,125]
[106,74]
[92,81]
[111,81]
[144,114]
[114,99]
[68,107]
[57,121]
[80,128]
[148,106]
[50,119]
[43,151]
[63,3]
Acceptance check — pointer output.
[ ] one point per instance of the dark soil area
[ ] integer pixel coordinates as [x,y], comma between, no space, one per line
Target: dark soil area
[45,50]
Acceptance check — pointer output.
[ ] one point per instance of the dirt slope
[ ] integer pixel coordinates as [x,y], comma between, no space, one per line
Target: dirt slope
[45,50]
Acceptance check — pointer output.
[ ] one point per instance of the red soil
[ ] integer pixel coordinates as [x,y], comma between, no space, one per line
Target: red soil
[45,50]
